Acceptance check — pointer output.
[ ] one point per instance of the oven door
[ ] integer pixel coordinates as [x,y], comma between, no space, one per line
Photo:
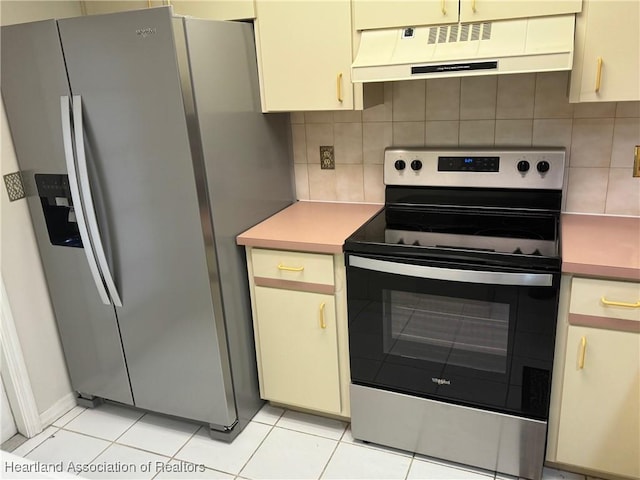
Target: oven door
[477,337]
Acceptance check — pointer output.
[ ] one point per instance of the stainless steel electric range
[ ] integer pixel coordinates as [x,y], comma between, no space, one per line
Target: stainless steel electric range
[452,300]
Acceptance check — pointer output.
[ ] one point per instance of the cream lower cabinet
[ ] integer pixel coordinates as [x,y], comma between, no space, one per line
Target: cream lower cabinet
[299,317]
[599,418]
[299,348]
[594,423]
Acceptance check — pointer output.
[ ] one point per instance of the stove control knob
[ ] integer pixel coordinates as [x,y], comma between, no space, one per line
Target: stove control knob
[543,166]
[400,164]
[416,165]
[523,166]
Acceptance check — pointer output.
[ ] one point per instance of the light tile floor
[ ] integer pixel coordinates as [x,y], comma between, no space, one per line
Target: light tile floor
[277,444]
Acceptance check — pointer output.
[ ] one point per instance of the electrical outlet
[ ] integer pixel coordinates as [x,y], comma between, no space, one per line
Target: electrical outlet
[327,159]
[636,161]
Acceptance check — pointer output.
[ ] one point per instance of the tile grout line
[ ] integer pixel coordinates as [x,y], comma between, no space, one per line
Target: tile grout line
[324,469]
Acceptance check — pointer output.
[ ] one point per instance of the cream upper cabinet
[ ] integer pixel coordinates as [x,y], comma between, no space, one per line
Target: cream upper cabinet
[606,65]
[595,413]
[370,14]
[483,10]
[211,9]
[304,54]
[215,9]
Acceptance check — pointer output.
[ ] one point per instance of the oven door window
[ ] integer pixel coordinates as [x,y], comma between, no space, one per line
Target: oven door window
[445,330]
[475,343]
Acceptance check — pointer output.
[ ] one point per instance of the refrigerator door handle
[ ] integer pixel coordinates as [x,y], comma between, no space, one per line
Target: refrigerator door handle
[77,201]
[87,198]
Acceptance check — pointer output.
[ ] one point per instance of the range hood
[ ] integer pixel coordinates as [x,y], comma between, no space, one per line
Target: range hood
[538,44]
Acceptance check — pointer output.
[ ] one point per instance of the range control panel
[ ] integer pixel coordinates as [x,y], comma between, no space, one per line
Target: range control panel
[483,168]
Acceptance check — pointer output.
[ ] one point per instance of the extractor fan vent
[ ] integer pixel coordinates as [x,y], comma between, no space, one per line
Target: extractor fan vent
[459,33]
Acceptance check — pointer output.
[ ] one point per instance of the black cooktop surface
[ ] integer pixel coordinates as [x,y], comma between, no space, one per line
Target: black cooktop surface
[505,237]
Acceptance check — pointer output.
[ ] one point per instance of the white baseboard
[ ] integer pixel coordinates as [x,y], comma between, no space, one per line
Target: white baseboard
[58,409]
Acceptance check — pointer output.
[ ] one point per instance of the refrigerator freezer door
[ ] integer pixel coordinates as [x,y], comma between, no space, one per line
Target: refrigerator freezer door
[142,178]
[33,80]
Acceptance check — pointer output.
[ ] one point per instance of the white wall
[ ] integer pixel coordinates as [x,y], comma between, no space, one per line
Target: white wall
[20,261]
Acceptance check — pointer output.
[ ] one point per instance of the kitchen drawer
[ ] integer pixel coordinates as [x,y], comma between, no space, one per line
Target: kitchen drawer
[605,298]
[291,266]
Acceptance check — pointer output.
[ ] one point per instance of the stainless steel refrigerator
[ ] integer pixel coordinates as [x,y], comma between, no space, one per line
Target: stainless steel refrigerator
[144,153]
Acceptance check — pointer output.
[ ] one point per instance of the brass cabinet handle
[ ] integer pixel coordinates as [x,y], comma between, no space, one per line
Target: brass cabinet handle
[339,87]
[322,322]
[598,74]
[619,304]
[583,351]
[289,269]
[473,6]
[442,7]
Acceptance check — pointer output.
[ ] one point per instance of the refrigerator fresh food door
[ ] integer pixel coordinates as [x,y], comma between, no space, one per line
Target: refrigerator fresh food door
[33,82]
[142,180]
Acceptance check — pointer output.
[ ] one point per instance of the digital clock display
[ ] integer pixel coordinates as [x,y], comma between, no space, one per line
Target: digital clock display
[468,164]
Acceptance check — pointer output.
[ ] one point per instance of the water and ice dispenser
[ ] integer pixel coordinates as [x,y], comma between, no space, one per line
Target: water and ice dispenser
[57,206]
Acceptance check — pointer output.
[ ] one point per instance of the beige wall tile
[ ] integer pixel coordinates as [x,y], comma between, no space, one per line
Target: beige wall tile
[322,183]
[348,142]
[299,139]
[443,133]
[297,117]
[591,142]
[628,109]
[350,183]
[594,110]
[477,132]
[382,112]
[552,99]
[410,134]
[478,98]
[373,184]
[347,116]
[317,135]
[376,136]
[409,99]
[626,135]
[552,133]
[318,117]
[516,94]
[587,190]
[301,173]
[623,194]
[443,99]
[514,132]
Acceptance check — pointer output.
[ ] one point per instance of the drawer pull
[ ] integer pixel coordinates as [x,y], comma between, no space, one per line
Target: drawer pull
[289,269]
[583,351]
[322,322]
[619,304]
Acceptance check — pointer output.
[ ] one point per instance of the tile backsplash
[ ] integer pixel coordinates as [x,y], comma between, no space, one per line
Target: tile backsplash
[507,110]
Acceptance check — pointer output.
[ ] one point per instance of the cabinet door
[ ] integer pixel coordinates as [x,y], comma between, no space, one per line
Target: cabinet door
[304,54]
[483,10]
[599,416]
[215,9]
[298,348]
[607,53]
[368,14]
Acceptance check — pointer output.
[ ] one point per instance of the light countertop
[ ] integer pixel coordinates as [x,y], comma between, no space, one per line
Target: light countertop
[309,226]
[601,246]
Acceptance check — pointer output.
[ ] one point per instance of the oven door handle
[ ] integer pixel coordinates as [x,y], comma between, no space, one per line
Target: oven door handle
[453,274]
